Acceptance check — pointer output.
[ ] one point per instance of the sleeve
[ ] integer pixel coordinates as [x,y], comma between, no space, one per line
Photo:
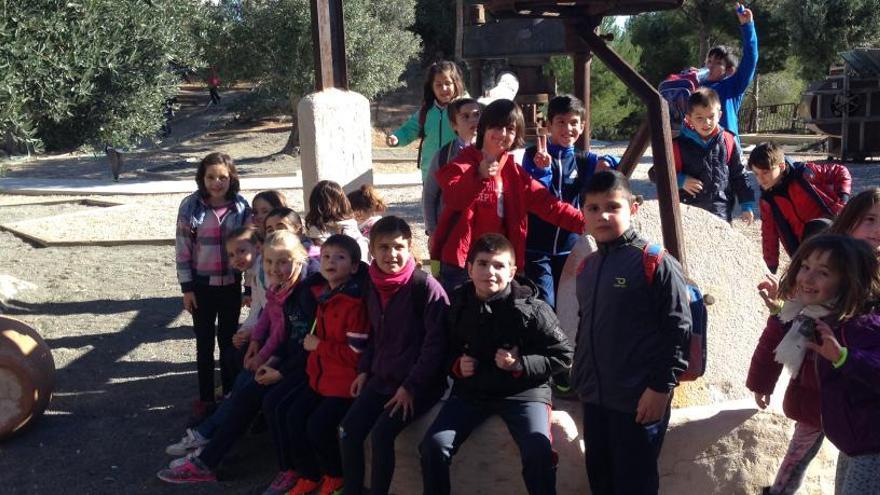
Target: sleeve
[277,337]
[863,361]
[834,179]
[183,246]
[739,181]
[769,238]
[549,208]
[737,84]
[542,175]
[365,362]
[261,327]
[409,131]
[675,325]
[347,352]
[460,183]
[431,194]
[556,351]
[764,370]
[432,356]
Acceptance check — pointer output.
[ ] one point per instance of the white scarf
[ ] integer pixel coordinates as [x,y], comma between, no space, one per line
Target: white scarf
[793,347]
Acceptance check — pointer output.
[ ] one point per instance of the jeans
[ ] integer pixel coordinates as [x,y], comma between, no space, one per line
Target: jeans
[544,270]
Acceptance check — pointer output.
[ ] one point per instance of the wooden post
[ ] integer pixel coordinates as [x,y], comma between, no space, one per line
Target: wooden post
[636,149]
[328,39]
[583,62]
[459,29]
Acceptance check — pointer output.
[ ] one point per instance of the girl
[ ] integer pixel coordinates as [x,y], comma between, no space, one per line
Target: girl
[443,84]
[330,213]
[211,289]
[860,218]
[263,203]
[402,371]
[368,207]
[485,191]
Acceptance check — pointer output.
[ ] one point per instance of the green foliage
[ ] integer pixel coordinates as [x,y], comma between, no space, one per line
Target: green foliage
[614,111]
[435,23]
[94,71]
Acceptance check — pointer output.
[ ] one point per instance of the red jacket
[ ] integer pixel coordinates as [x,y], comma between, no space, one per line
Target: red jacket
[801,401]
[459,222]
[806,192]
[343,326]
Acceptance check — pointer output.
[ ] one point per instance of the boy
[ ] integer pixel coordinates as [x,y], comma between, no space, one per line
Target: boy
[708,161]
[729,80]
[630,344]
[563,171]
[464,115]
[506,343]
[792,195]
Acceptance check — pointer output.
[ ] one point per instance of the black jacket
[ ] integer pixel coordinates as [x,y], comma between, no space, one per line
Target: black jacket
[515,317]
[631,335]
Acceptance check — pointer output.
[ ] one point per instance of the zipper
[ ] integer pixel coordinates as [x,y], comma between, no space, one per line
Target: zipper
[593,331]
[559,195]
[317,357]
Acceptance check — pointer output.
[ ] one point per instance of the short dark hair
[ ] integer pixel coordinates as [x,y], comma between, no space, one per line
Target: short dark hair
[390,225]
[244,233]
[607,181]
[563,104]
[456,106]
[502,113]
[290,214]
[492,244]
[766,155]
[345,243]
[218,159]
[703,97]
[726,54]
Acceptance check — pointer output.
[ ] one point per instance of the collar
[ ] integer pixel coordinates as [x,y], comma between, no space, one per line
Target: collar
[689,132]
[556,150]
[627,238]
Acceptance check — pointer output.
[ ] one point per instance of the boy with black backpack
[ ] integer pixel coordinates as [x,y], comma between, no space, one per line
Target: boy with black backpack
[631,343]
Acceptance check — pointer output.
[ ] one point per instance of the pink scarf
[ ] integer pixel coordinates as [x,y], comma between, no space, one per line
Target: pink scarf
[388,284]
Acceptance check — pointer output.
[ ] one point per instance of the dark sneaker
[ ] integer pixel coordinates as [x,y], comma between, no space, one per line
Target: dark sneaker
[283,482]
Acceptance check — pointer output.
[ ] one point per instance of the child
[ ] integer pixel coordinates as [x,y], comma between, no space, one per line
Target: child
[506,344]
[860,218]
[845,270]
[330,213]
[288,311]
[211,289]
[486,191]
[729,80]
[564,172]
[633,335]
[401,374]
[264,202]
[464,115]
[708,161]
[443,84]
[284,218]
[368,207]
[243,253]
[335,345]
[792,195]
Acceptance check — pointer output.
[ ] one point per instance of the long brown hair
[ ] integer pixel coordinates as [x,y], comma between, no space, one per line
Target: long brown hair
[853,260]
[441,67]
[218,159]
[854,211]
[327,204]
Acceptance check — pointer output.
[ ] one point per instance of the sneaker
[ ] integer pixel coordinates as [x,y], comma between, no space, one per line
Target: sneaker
[304,486]
[331,486]
[190,441]
[188,457]
[189,472]
[284,481]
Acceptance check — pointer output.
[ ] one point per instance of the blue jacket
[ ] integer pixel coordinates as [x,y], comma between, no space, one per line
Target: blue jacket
[731,89]
[566,176]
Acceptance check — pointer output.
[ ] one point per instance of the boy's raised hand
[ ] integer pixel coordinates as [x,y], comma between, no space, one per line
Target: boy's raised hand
[692,186]
[542,158]
[488,166]
[744,14]
[651,406]
[467,365]
[829,348]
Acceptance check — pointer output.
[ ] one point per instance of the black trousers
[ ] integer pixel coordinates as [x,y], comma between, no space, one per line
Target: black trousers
[313,423]
[216,315]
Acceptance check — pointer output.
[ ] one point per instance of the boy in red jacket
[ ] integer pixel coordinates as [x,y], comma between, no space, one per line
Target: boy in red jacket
[793,194]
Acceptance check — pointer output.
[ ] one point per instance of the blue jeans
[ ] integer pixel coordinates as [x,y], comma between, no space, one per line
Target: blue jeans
[528,423]
[544,270]
[207,427]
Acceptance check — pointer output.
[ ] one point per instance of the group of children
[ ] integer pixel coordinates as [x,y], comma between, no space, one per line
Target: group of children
[348,338]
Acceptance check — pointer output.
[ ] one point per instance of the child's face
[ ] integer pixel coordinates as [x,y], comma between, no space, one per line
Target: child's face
[280,223]
[609,214]
[261,210]
[278,265]
[466,121]
[868,228]
[767,178]
[565,129]
[444,88]
[241,254]
[497,140]
[704,119]
[336,265]
[391,253]
[217,181]
[491,273]
[816,282]
[717,68]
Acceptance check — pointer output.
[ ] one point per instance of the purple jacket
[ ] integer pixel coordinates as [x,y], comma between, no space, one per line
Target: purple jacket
[851,393]
[408,348]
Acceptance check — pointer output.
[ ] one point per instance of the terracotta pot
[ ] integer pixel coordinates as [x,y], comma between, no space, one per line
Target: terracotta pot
[27,375]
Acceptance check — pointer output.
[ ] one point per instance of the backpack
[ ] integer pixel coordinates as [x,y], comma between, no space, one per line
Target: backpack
[698,348]
[676,89]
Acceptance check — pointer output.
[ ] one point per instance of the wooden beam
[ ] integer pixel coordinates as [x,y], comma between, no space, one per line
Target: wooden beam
[636,149]
[583,62]
[328,40]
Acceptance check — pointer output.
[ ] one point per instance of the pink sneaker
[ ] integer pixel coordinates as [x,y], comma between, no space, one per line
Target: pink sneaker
[284,481]
[188,472]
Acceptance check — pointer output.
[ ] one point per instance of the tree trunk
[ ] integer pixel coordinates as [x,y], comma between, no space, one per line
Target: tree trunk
[292,146]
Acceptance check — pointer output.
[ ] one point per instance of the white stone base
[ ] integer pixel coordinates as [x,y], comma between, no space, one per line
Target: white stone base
[335,139]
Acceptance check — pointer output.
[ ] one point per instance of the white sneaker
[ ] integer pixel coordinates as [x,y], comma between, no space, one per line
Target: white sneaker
[191,441]
[182,460]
